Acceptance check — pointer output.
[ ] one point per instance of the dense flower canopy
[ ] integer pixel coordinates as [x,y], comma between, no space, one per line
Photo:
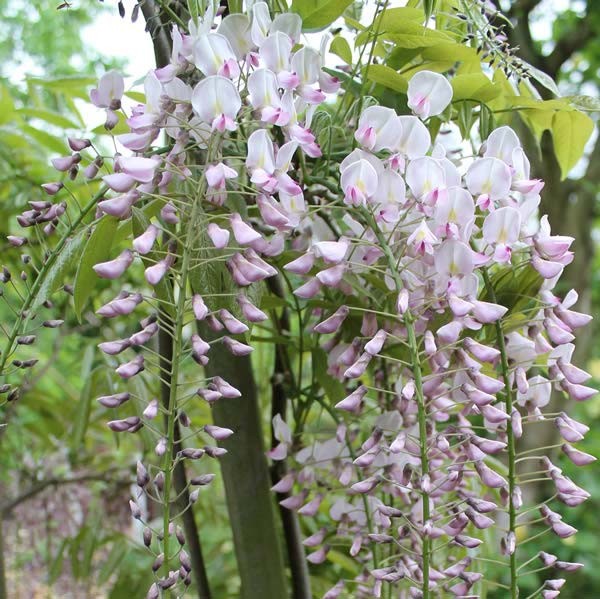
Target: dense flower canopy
[428,278]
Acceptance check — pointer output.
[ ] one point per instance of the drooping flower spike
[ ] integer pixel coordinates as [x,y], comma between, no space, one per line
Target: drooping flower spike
[433,371]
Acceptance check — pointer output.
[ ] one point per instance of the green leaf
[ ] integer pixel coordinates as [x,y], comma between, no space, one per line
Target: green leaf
[514,288]
[56,566]
[445,51]
[70,86]
[193,10]
[393,20]
[97,249]
[570,132]
[466,118]
[53,143]
[475,86]
[84,404]
[6,105]
[137,96]
[409,34]
[429,6]
[54,118]
[543,79]
[585,103]
[486,121]
[340,47]
[334,390]
[55,276]
[318,14]
[384,75]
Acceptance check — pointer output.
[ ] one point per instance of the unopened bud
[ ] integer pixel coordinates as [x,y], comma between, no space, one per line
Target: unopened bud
[159,481]
[180,536]
[135,510]
[202,480]
[158,562]
[142,475]
[147,536]
[185,561]
[153,592]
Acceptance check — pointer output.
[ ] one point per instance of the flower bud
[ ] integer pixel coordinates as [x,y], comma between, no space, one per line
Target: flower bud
[113,269]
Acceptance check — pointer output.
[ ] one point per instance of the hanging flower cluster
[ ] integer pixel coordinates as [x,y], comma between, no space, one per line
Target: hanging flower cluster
[448,274]
[241,88]
[428,281]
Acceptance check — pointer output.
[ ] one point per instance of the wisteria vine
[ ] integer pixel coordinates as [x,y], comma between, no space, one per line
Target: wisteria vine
[426,279]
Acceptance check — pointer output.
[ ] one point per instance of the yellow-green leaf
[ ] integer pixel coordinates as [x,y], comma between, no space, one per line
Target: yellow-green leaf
[340,47]
[475,86]
[384,75]
[413,35]
[318,14]
[585,103]
[54,118]
[451,51]
[137,96]
[6,105]
[570,132]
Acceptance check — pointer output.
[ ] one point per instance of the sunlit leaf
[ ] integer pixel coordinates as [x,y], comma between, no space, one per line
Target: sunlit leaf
[384,75]
[318,14]
[475,86]
[341,47]
[570,132]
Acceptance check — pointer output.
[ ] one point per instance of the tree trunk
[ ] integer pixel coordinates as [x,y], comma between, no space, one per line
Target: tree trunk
[246,478]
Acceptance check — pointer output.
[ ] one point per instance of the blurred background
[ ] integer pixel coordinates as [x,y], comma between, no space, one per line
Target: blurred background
[64,479]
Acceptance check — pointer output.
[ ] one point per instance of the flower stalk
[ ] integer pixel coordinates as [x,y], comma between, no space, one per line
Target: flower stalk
[510,439]
[415,360]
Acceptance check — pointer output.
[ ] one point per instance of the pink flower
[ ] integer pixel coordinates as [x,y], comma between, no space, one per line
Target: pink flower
[109,92]
[115,268]
[217,102]
[428,94]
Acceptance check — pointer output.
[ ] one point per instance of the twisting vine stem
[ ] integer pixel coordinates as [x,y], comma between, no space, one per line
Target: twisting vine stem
[510,437]
[408,320]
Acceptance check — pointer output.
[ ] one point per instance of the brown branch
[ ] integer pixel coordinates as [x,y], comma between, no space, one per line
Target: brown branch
[522,7]
[10,505]
[289,518]
[161,39]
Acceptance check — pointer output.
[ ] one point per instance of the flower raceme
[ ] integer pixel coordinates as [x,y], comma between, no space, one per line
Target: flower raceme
[444,368]
[441,236]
